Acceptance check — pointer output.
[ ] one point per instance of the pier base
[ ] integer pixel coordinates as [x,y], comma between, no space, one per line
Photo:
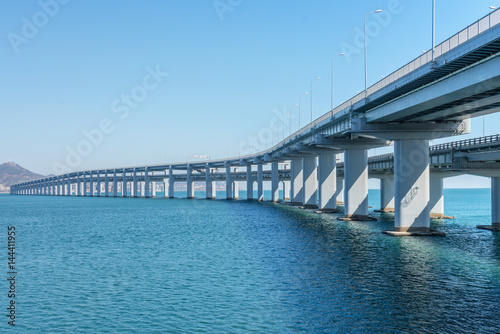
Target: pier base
[308,206]
[361,218]
[386,210]
[329,211]
[430,233]
[493,227]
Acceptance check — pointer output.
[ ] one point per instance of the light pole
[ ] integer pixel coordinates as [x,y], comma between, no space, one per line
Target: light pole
[366,74]
[300,104]
[433,27]
[489,23]
[340,54]
[312,96]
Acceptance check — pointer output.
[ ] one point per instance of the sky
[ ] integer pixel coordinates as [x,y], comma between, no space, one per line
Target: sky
[104,84]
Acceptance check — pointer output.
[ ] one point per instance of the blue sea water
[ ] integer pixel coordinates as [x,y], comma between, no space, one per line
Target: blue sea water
[132,265]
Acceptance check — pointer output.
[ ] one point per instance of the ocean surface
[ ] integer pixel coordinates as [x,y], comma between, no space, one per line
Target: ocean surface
[132,265]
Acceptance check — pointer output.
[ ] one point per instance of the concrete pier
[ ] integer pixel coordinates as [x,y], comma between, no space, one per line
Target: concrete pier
[387,193]
[495,206]
[260,183]
[189,182]
[171,182]
[124,184]
[208,182]
[310,172]
[115,184]
[297,182]
[229,183]
[436,202]
[411,193]
[98,184]
[91,185]
[356,184]
[249,183]
[327,182]
[275,181]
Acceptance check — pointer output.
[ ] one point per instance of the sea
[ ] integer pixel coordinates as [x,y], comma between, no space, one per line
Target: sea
[135,265]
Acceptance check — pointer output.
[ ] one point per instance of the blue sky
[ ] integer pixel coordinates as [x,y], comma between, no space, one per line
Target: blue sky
[232,67]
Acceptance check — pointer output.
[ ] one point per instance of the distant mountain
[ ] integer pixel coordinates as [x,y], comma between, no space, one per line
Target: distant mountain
[11,173]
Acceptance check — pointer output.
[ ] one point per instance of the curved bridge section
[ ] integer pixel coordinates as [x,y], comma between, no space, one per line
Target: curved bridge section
[433,96]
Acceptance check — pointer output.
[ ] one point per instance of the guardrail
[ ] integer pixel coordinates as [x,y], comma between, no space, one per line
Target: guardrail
[466,143]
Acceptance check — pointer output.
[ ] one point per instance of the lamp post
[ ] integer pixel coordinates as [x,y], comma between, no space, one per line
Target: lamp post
[366,74]
[300,104]
[340,54]
[433,27]
[312,96]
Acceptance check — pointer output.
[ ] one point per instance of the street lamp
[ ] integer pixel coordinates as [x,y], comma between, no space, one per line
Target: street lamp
[433,27]
[312,96]
[300,104]
[366,74]
[340,54]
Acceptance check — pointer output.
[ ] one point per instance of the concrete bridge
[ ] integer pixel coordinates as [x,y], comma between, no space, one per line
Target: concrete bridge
[433,96]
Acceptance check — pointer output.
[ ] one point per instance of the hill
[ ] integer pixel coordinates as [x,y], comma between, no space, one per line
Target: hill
[11,173]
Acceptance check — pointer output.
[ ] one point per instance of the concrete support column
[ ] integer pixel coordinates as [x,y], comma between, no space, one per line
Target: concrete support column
[339,194]
[106,184]
[387,193]
[249,183]
[327,181]
[147,185]
[78,185]
[91,185]
[229,183]
[189,181]
[275,180]
[98,184]
[143,189]
[84,184]
[165,188]
[411,195]
[495,206]
[153,189]
[124,184]
[495,202]
[436,202]
[356,183]
[309,168]
[287,190]
[208,182]
[171,182]
[260,183]
[134,184]
[297,182]
[236,189]
[115,184]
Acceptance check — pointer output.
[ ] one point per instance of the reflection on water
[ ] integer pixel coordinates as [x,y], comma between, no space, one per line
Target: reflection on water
[158,265]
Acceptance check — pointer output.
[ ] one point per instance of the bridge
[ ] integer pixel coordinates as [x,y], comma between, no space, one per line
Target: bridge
[433,96]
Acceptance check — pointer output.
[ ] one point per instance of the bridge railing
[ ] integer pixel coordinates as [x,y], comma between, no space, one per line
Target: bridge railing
[381,157]
[480,26]
[466,143]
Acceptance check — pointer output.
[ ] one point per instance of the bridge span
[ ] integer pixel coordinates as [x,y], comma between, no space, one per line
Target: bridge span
[428,98]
